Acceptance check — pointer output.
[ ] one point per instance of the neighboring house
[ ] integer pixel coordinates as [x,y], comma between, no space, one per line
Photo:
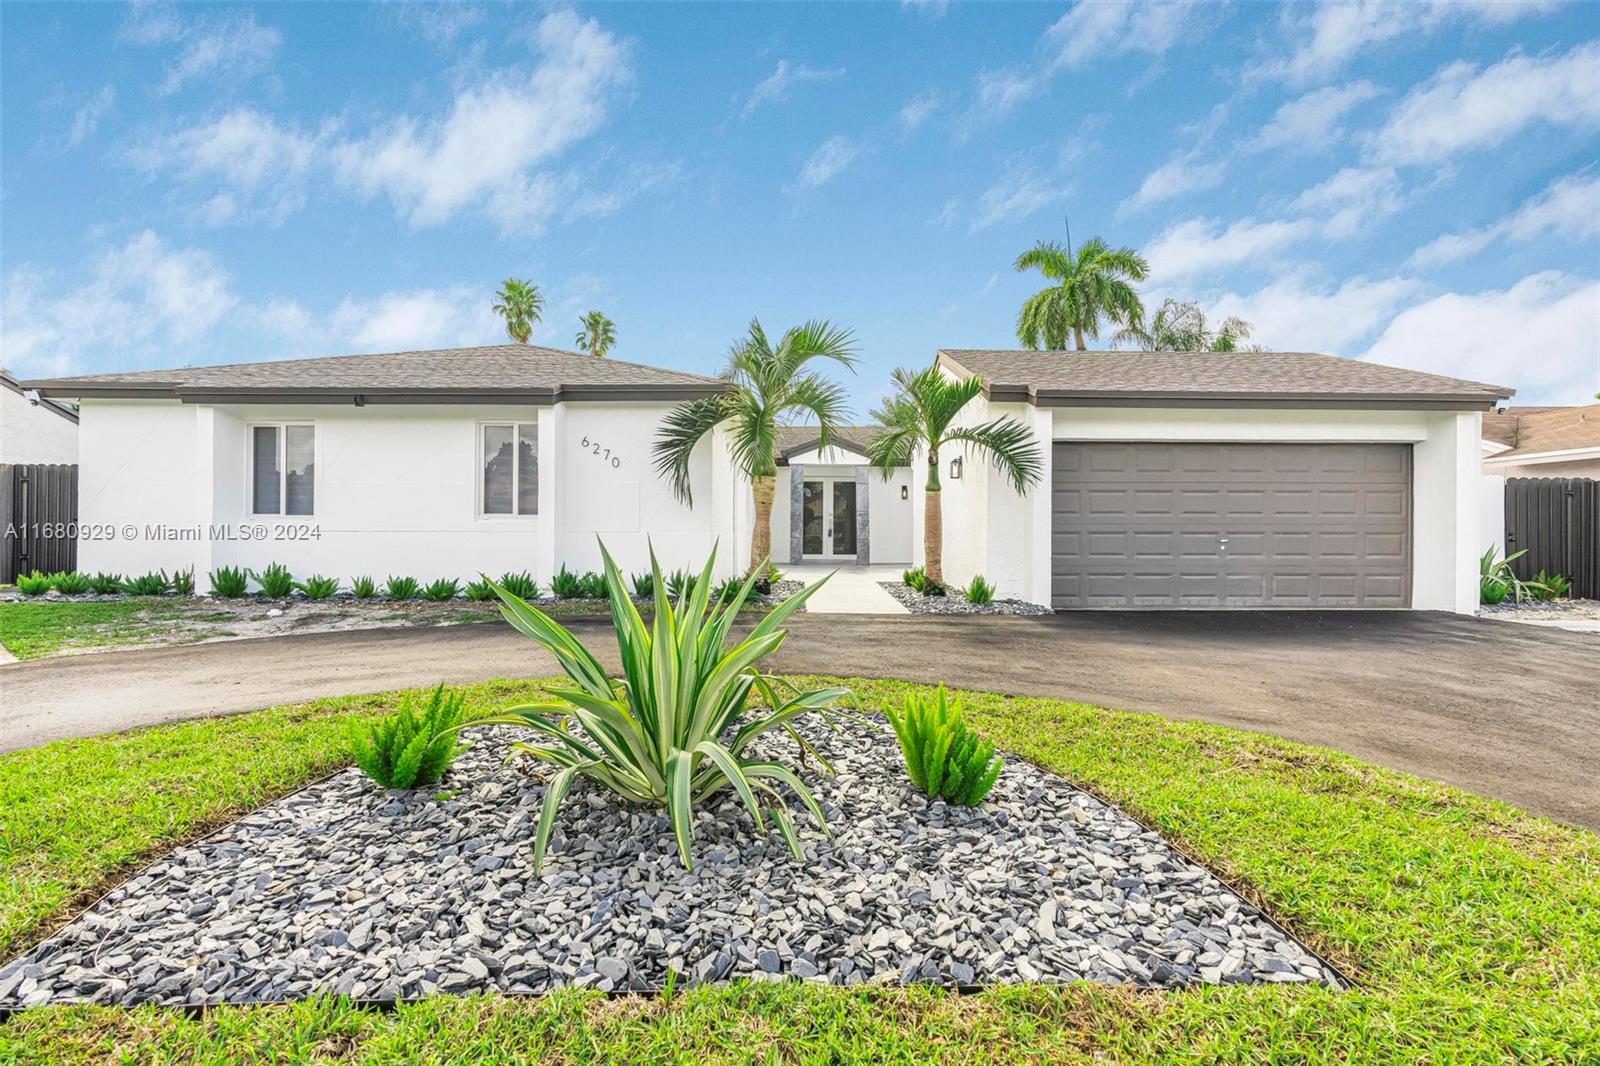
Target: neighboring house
[33,429]
[1250,479]
[427,464]
[1542,442]
[832,506]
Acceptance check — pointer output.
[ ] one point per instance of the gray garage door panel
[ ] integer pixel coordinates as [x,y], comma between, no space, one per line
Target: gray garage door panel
[1231,525]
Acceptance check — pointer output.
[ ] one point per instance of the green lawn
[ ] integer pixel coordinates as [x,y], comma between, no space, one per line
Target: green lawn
[34,630]
[1472,929]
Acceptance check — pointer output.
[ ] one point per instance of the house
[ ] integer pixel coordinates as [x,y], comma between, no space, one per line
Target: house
[33,429]
[427,464]
[832,506]
[1542,442]
[1247,479]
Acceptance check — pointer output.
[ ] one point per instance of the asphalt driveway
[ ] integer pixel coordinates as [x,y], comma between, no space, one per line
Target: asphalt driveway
[1496,708]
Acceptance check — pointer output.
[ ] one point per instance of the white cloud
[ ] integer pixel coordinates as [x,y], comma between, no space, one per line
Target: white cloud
[930,8]
[829,160]
[1019,192]
[1338,32]
[1313,120]
[140,295]
[1569,209]
[438,23]
[230,49]
[778,84]
[919,109]
[487,151]
[86,119]
[1296,313]
[261,166]
[1199,246]
[1463,107]
[425,318]
[1353,197]
[1180,175]
[1541,336]
[1089,32]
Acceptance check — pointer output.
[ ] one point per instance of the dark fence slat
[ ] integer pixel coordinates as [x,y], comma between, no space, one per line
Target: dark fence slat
[1558,521]
[42,511]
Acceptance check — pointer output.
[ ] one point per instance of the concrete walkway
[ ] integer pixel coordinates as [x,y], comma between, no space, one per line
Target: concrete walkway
[850,589]
[1501,710]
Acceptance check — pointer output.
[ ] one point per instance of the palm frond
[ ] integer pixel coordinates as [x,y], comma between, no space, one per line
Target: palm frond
[1009,446]
[680,431]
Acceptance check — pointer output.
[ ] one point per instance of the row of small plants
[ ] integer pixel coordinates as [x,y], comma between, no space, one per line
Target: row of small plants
[677,726]
[276,582]
[1497,581]
[979,590]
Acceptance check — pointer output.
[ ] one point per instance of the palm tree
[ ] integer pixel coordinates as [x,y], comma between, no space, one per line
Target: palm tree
[1094,287]
[919,414]
[520,304]
[598,334]
[1182,327]
[767,385]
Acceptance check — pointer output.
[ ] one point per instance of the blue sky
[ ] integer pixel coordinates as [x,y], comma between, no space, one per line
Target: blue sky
[188,184]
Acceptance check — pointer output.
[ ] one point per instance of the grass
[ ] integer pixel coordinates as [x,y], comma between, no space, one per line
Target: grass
[35,630]
[1473,930]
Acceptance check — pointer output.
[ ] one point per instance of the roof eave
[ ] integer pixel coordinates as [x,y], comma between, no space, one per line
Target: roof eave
[1185,398]
[671,391]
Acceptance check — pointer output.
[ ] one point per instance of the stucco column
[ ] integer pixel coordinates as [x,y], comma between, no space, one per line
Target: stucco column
[205,486]
[797,500]
[863,519]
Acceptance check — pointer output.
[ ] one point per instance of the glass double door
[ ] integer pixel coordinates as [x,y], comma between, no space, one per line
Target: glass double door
[829,514]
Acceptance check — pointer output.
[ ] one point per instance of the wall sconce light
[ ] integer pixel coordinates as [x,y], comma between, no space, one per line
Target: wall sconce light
[955,469]
[905,492]
[360,400]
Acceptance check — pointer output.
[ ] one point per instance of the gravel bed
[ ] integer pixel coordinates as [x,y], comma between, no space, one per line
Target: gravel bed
[347,888]
[955,603]
[1584,610]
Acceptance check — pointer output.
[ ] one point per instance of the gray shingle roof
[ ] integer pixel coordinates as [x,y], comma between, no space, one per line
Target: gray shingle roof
[504,372]
[1053,378]
[792,440]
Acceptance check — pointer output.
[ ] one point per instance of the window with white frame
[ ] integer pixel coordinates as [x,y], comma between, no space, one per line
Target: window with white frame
[283,468]
[509,460]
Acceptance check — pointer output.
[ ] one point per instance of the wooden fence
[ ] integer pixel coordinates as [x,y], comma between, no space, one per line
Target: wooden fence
[39,504]
[1558,521]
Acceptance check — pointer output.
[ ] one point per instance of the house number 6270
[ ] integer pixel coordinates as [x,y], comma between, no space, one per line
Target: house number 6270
[603,452]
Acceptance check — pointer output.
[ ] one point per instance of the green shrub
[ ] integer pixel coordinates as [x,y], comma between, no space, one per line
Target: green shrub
[944,757]
[1495,572]
[979,590]
[106,584]
[34,584]
[1492,592]
[445,588]
[913,578]
[679,583]
[317,587]
[183,581]
[155,583]
[566,585]
[479,590]
[276,582]
[592,586]
[519,584]
[644,586]
[70,583]
[363,587]
[412,748]
[728,589]
[660,735]
[1544,586]
[933,588]
[230,582]
[401,588]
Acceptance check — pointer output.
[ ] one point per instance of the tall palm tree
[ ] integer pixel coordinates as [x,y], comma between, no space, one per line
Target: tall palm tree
[1093,288]
[1182,327]
[597,335]
[520,304]
[767,386]
[924,404]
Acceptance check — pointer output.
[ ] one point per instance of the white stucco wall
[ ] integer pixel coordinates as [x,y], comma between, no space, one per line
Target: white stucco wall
[34,434]
[1492,512]
[890,516]
[989,528]
[396,491]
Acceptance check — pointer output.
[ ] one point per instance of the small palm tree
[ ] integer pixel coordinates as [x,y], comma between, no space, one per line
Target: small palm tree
[768,385]
[1182,327]
[1093,288]
[597,335]
[520,304]
[919,413]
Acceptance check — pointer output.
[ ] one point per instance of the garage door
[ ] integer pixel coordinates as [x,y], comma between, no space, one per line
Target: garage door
[1231,525]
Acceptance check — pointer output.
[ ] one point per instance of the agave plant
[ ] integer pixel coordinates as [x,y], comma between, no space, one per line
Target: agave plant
[1497,578]
[676,727]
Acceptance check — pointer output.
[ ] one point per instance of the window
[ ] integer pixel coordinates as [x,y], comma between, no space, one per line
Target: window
[510,469]
[282,469]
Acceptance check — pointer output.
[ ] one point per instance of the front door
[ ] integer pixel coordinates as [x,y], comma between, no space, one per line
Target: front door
[829,515]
